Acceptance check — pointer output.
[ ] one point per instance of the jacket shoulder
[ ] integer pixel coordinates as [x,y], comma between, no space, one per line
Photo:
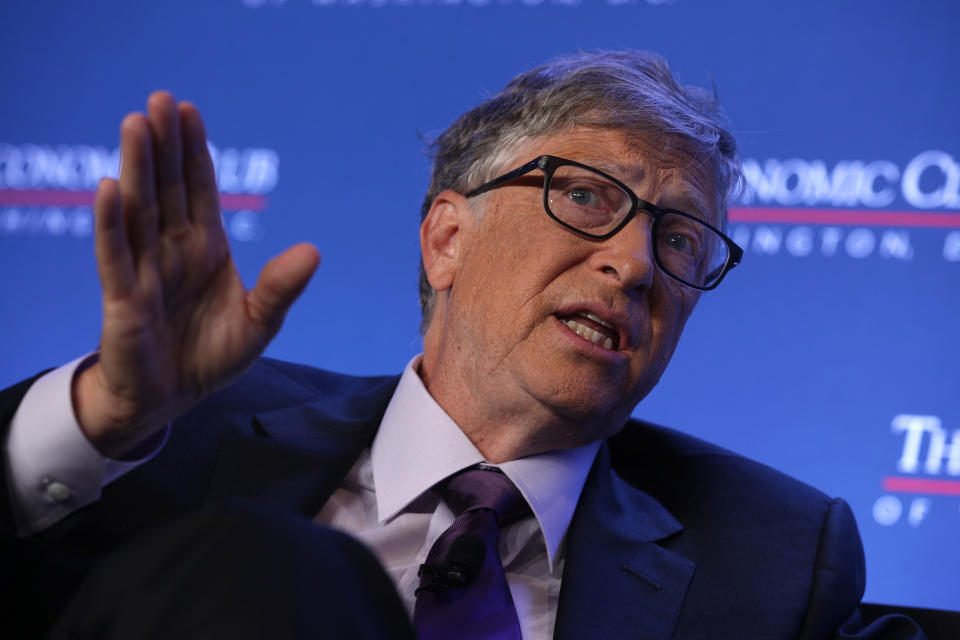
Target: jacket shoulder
[682,470]
[786,544]
[271,384]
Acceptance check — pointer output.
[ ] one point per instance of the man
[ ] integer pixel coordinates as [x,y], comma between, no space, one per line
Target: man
[570,225]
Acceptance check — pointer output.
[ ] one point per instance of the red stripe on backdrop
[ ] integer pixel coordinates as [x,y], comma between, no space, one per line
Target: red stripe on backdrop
[65,198]
[922,485]
[845,217]
[755,215]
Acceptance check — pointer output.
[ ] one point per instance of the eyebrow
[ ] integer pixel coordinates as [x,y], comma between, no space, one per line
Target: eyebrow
[687,202]
[616,169]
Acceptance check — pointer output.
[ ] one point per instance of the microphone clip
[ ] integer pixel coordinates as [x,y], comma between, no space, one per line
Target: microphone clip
[448,576]
[462,564]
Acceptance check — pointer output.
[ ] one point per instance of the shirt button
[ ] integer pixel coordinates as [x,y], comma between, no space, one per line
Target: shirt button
[57,491]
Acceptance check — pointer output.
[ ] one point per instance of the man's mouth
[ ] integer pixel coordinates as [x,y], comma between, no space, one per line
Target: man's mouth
[593,329]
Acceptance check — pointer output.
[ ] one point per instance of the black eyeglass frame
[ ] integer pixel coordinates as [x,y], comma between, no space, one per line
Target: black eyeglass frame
[549,164]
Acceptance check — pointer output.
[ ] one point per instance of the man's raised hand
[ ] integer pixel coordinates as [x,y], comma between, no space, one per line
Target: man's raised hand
[177,320]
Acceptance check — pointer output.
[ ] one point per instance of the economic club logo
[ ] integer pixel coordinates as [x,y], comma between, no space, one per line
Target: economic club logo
[49,190]
[854,208]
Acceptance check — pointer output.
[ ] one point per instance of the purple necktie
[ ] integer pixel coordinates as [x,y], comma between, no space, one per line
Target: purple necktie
[451,601]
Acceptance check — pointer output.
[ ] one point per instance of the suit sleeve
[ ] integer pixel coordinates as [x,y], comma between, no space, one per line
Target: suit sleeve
[839,580]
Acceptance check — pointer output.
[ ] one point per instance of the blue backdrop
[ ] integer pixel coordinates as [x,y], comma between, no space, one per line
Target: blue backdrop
[830,353]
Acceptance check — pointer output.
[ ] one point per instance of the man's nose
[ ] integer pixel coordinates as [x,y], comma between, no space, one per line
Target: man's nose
[627,257]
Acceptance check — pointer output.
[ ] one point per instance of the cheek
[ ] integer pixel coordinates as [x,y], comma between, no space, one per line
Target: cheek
[518,265]
[670,306]
[495,292]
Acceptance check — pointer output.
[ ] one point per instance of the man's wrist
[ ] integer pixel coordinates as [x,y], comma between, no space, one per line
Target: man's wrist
[107,434]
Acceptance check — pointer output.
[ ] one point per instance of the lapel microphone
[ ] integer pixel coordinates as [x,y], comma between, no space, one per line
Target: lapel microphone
[463,562]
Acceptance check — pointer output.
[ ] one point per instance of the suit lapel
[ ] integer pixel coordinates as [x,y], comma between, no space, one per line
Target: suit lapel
[298,455]
[617,581]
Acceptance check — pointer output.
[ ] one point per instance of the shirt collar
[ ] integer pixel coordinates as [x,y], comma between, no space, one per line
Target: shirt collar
[418,445]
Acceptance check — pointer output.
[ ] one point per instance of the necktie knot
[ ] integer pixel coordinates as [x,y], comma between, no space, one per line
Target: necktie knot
[484,489]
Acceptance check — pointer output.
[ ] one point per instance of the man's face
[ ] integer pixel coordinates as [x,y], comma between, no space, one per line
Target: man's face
[540,322]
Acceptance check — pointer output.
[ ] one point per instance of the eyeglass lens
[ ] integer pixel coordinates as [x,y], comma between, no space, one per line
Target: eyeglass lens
[684,247]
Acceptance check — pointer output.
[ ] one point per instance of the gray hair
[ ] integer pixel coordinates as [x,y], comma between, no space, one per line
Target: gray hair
[630,90]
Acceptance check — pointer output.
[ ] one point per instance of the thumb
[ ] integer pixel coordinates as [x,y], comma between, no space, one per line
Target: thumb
[282,280]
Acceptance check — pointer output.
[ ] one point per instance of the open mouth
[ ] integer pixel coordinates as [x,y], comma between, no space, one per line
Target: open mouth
[593,329]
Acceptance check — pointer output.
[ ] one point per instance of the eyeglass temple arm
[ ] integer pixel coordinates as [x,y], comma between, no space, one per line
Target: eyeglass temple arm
[496,182]
[736,254]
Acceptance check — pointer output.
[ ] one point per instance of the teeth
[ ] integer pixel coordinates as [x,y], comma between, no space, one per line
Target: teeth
[598,320]
[589,334]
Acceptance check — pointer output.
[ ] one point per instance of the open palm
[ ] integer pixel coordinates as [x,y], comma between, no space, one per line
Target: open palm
[178,322]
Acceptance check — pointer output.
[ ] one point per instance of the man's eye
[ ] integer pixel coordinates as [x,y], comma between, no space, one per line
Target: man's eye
[584,197]
[679,242]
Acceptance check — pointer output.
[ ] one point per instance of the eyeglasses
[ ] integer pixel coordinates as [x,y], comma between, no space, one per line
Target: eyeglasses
[596,205]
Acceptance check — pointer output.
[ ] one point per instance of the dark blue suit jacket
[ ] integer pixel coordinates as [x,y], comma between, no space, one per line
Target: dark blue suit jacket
[672,537]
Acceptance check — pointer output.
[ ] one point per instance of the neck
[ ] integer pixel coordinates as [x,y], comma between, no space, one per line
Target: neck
[504,422]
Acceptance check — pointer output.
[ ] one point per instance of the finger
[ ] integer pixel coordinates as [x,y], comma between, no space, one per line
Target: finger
[202,196]
[137,182]
[280,283]
[167,159]
[114,259]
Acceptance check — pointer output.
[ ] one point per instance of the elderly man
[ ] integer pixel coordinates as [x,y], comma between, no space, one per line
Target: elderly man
[571,223]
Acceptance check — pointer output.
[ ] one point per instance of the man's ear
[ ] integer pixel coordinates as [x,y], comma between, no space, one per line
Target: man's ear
[443,235]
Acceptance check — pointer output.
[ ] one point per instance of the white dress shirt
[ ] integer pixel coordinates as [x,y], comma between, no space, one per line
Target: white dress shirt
[386,500]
